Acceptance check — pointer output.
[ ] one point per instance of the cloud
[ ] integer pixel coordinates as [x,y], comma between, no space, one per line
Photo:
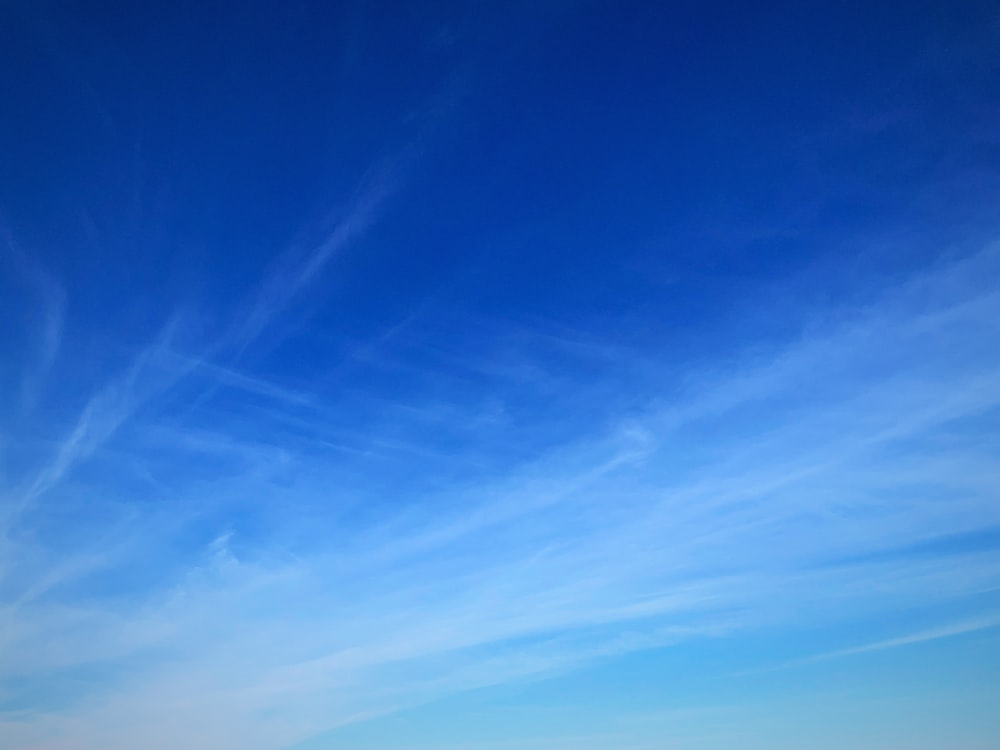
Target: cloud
[101,417]
[302,264]
[50,333]
[278,601]
[923,636]
[295,270]
[49,303]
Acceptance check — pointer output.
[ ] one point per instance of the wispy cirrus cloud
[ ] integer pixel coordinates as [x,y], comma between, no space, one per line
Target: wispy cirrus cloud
[48,316]
[283,603]
[952,630]
[162,364]
[101,417]
[301,264]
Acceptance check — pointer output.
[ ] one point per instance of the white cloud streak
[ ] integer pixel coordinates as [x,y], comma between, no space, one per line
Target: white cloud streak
[964,627]
[751,500]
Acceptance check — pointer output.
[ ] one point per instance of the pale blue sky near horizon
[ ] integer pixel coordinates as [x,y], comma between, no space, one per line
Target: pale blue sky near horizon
[432,375]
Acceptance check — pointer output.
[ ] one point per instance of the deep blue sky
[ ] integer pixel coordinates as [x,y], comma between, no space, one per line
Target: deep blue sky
[366,365]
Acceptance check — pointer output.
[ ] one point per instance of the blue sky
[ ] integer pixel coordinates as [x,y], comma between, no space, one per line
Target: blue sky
[438,375]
